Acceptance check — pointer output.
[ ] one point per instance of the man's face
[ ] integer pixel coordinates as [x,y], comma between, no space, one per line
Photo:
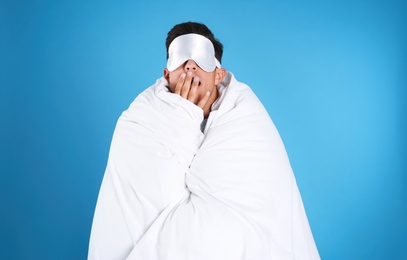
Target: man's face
[207,80]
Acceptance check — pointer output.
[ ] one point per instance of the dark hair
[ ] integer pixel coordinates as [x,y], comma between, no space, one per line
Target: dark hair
[198,28]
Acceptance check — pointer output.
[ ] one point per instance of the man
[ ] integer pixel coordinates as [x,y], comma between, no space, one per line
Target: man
[197,169]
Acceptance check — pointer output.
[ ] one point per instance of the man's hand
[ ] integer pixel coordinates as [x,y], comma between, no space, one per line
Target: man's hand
[187,87]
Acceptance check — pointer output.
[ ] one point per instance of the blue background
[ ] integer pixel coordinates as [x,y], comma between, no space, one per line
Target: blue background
[332,75]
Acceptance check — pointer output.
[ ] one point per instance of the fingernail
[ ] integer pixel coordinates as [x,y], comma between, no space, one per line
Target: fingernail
[183,75]
[189,73]
[196,79]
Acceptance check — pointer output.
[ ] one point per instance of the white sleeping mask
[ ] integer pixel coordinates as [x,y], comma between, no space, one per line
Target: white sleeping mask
[192,47]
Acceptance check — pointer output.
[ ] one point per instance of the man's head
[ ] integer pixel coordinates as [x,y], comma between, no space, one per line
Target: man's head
[193,66]
[197,28]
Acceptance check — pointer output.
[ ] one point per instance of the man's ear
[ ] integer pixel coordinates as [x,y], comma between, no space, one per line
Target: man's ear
[166,74]
[219,75]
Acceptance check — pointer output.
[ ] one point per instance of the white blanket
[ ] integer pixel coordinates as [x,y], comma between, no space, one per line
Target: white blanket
[173,192]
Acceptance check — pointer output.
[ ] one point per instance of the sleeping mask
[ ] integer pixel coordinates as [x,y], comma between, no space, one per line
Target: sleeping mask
[192,47]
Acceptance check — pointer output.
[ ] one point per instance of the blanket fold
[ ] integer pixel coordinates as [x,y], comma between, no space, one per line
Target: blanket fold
[173,192]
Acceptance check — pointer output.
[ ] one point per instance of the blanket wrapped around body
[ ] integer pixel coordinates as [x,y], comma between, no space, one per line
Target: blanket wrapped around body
[173,191]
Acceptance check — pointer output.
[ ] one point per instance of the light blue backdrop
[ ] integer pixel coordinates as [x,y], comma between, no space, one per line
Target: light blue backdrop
[332,75]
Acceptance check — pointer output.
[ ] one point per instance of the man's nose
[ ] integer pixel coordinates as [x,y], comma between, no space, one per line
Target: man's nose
[190,65]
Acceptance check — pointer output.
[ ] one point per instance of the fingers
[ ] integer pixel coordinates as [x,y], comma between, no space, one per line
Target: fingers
[187,87]
[192,95]
[180,83]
